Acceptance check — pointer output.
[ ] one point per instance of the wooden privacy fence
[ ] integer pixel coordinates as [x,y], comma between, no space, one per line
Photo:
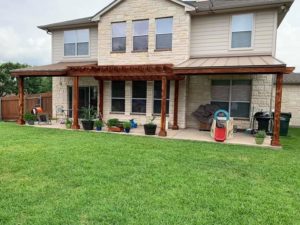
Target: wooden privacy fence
[9,105]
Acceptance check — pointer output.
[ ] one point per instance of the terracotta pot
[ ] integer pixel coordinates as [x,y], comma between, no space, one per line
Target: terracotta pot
[114,129]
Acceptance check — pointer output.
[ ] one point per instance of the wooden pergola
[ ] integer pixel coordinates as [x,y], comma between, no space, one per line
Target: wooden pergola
[149,72]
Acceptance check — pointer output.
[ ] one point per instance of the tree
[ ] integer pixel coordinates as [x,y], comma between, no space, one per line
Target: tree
[32,85]
[8,84]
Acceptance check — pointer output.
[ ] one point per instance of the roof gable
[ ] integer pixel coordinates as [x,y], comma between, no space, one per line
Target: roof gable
[97,16]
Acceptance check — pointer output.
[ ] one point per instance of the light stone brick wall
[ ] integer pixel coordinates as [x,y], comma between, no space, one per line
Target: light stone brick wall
[130,10]
[290,102]
[199,93]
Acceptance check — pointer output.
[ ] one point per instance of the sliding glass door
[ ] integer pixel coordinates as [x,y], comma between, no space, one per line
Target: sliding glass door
[88,97]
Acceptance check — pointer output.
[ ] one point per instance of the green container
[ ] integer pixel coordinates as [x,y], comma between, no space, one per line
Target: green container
[284,123]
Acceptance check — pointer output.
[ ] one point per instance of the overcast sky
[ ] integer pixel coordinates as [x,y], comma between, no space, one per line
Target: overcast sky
[21,40]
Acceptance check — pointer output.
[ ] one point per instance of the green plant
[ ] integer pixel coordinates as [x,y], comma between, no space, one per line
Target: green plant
[261,134]
[88,113]
[113,122]
[29,117]
[151,121]
[99,123]
[126,125]
[68,121]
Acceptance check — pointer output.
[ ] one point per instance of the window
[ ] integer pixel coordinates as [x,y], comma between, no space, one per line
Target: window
[88,97]
[233,96]
[76,42]
[140,35]
[241,27]
[157,97]
[139,96]
[119,37]
[118,96]
[164,33]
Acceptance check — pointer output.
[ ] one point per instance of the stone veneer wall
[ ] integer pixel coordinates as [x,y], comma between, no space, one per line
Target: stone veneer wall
[199,92]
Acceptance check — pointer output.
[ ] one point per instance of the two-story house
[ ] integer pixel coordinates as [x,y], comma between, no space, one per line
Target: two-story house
[139,58]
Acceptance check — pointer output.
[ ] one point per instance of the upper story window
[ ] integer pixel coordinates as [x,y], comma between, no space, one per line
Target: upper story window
[140,35]
[119,37]
[164,33]
[242,28]
[76,42]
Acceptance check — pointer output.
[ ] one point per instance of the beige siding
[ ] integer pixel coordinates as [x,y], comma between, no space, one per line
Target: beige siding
[130,10]
[290,102]
[210,35]
[58,47]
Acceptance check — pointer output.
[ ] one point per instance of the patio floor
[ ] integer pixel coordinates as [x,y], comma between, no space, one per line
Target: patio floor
[184,134]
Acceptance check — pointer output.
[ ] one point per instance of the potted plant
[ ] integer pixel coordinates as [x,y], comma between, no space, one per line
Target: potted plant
[98,125]
[30,118]
[260,137]
[150,128]
[68,123]
[89,114]
[127,127]
[114,125]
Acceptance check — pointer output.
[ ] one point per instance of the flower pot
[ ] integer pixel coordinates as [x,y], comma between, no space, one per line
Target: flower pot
[68,126]
[88,124]
[30,122]
[259,141]
[150,129]
[127,130]
[98,128]
[114,129]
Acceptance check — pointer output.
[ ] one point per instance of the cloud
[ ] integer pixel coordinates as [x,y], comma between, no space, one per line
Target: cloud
[30,50]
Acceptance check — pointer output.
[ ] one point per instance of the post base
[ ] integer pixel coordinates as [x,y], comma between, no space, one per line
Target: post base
[21,122]
[75,127]
[162,133]
[275,143]
[175,127]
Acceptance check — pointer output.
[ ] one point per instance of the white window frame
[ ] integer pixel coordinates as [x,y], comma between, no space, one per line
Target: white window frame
[117,98]
[133,35]
[144,99]
[156,33]
[230,98]
[78,56]
[112,37]
[252,33]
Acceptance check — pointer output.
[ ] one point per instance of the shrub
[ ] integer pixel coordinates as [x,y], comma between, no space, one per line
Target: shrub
[261,134]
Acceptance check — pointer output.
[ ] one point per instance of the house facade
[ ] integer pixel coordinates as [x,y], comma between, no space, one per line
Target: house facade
[218,52]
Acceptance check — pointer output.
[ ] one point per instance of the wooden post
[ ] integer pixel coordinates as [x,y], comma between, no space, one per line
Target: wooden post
[163,132]
[75,125]
[21,100]
[176,96]
[101,98]
[278,99]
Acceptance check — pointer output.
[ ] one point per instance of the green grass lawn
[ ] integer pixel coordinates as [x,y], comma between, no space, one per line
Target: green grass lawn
[65,177]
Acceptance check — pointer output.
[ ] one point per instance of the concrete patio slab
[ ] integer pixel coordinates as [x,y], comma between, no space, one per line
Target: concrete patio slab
[183,134]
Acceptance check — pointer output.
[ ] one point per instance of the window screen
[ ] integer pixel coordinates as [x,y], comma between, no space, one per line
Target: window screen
[139,96]
[158,97]
[76,42]
[118,96]
[140,35]
[164,33]
[119,37]
[242,26]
